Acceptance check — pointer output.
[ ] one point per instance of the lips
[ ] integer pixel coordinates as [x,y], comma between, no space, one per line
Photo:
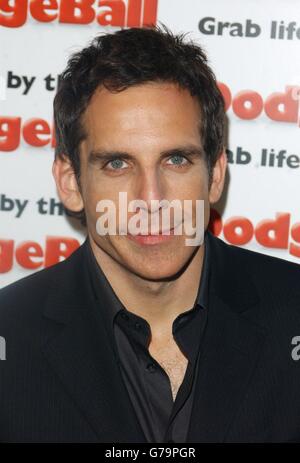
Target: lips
[160,233]
[169,231]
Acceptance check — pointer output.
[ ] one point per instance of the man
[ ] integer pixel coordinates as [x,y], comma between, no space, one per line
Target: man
[141,337]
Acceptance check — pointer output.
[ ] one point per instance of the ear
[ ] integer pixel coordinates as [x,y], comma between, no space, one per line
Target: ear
[218,178]
[66,184]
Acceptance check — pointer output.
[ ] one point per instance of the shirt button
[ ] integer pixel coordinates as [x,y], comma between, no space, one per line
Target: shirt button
[125,316]
[137,326]
[151,367]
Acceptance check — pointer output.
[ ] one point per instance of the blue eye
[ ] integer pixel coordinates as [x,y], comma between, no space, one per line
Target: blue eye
[178,160]
[115,164]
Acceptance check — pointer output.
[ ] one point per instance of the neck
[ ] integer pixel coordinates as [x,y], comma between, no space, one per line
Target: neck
[158,302]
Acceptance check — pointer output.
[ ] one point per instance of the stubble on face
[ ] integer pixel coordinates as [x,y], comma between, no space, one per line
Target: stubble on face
[144,121]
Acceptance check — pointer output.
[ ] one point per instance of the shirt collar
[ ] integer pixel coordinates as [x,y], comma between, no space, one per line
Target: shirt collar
[101,284]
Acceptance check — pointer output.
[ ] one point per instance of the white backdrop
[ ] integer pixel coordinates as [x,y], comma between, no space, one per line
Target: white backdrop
[253,47]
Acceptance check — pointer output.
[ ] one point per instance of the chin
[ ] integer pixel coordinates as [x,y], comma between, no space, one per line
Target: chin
[158,266]
[157,274]
[154,262]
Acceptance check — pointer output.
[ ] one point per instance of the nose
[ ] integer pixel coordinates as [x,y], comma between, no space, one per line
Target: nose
[154,197]
[151,190]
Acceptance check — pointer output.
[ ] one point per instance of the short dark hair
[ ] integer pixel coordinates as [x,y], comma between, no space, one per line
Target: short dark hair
[130,57]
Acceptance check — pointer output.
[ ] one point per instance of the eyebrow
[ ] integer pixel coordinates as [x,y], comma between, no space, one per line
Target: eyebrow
[190,151]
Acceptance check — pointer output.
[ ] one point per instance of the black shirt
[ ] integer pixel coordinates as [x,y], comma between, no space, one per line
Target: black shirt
[148,385]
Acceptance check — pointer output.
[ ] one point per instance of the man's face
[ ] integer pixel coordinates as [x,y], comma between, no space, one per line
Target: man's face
[150,127]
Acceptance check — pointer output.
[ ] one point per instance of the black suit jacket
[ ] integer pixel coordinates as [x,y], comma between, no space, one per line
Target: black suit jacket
[61,380]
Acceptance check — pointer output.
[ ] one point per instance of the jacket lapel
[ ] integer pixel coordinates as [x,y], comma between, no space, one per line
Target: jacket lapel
[231,346]
[81,354]
[83,357]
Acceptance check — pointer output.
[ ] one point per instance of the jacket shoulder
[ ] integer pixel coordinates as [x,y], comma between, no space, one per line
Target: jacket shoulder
[262,262]
[272,274]
[29,293]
